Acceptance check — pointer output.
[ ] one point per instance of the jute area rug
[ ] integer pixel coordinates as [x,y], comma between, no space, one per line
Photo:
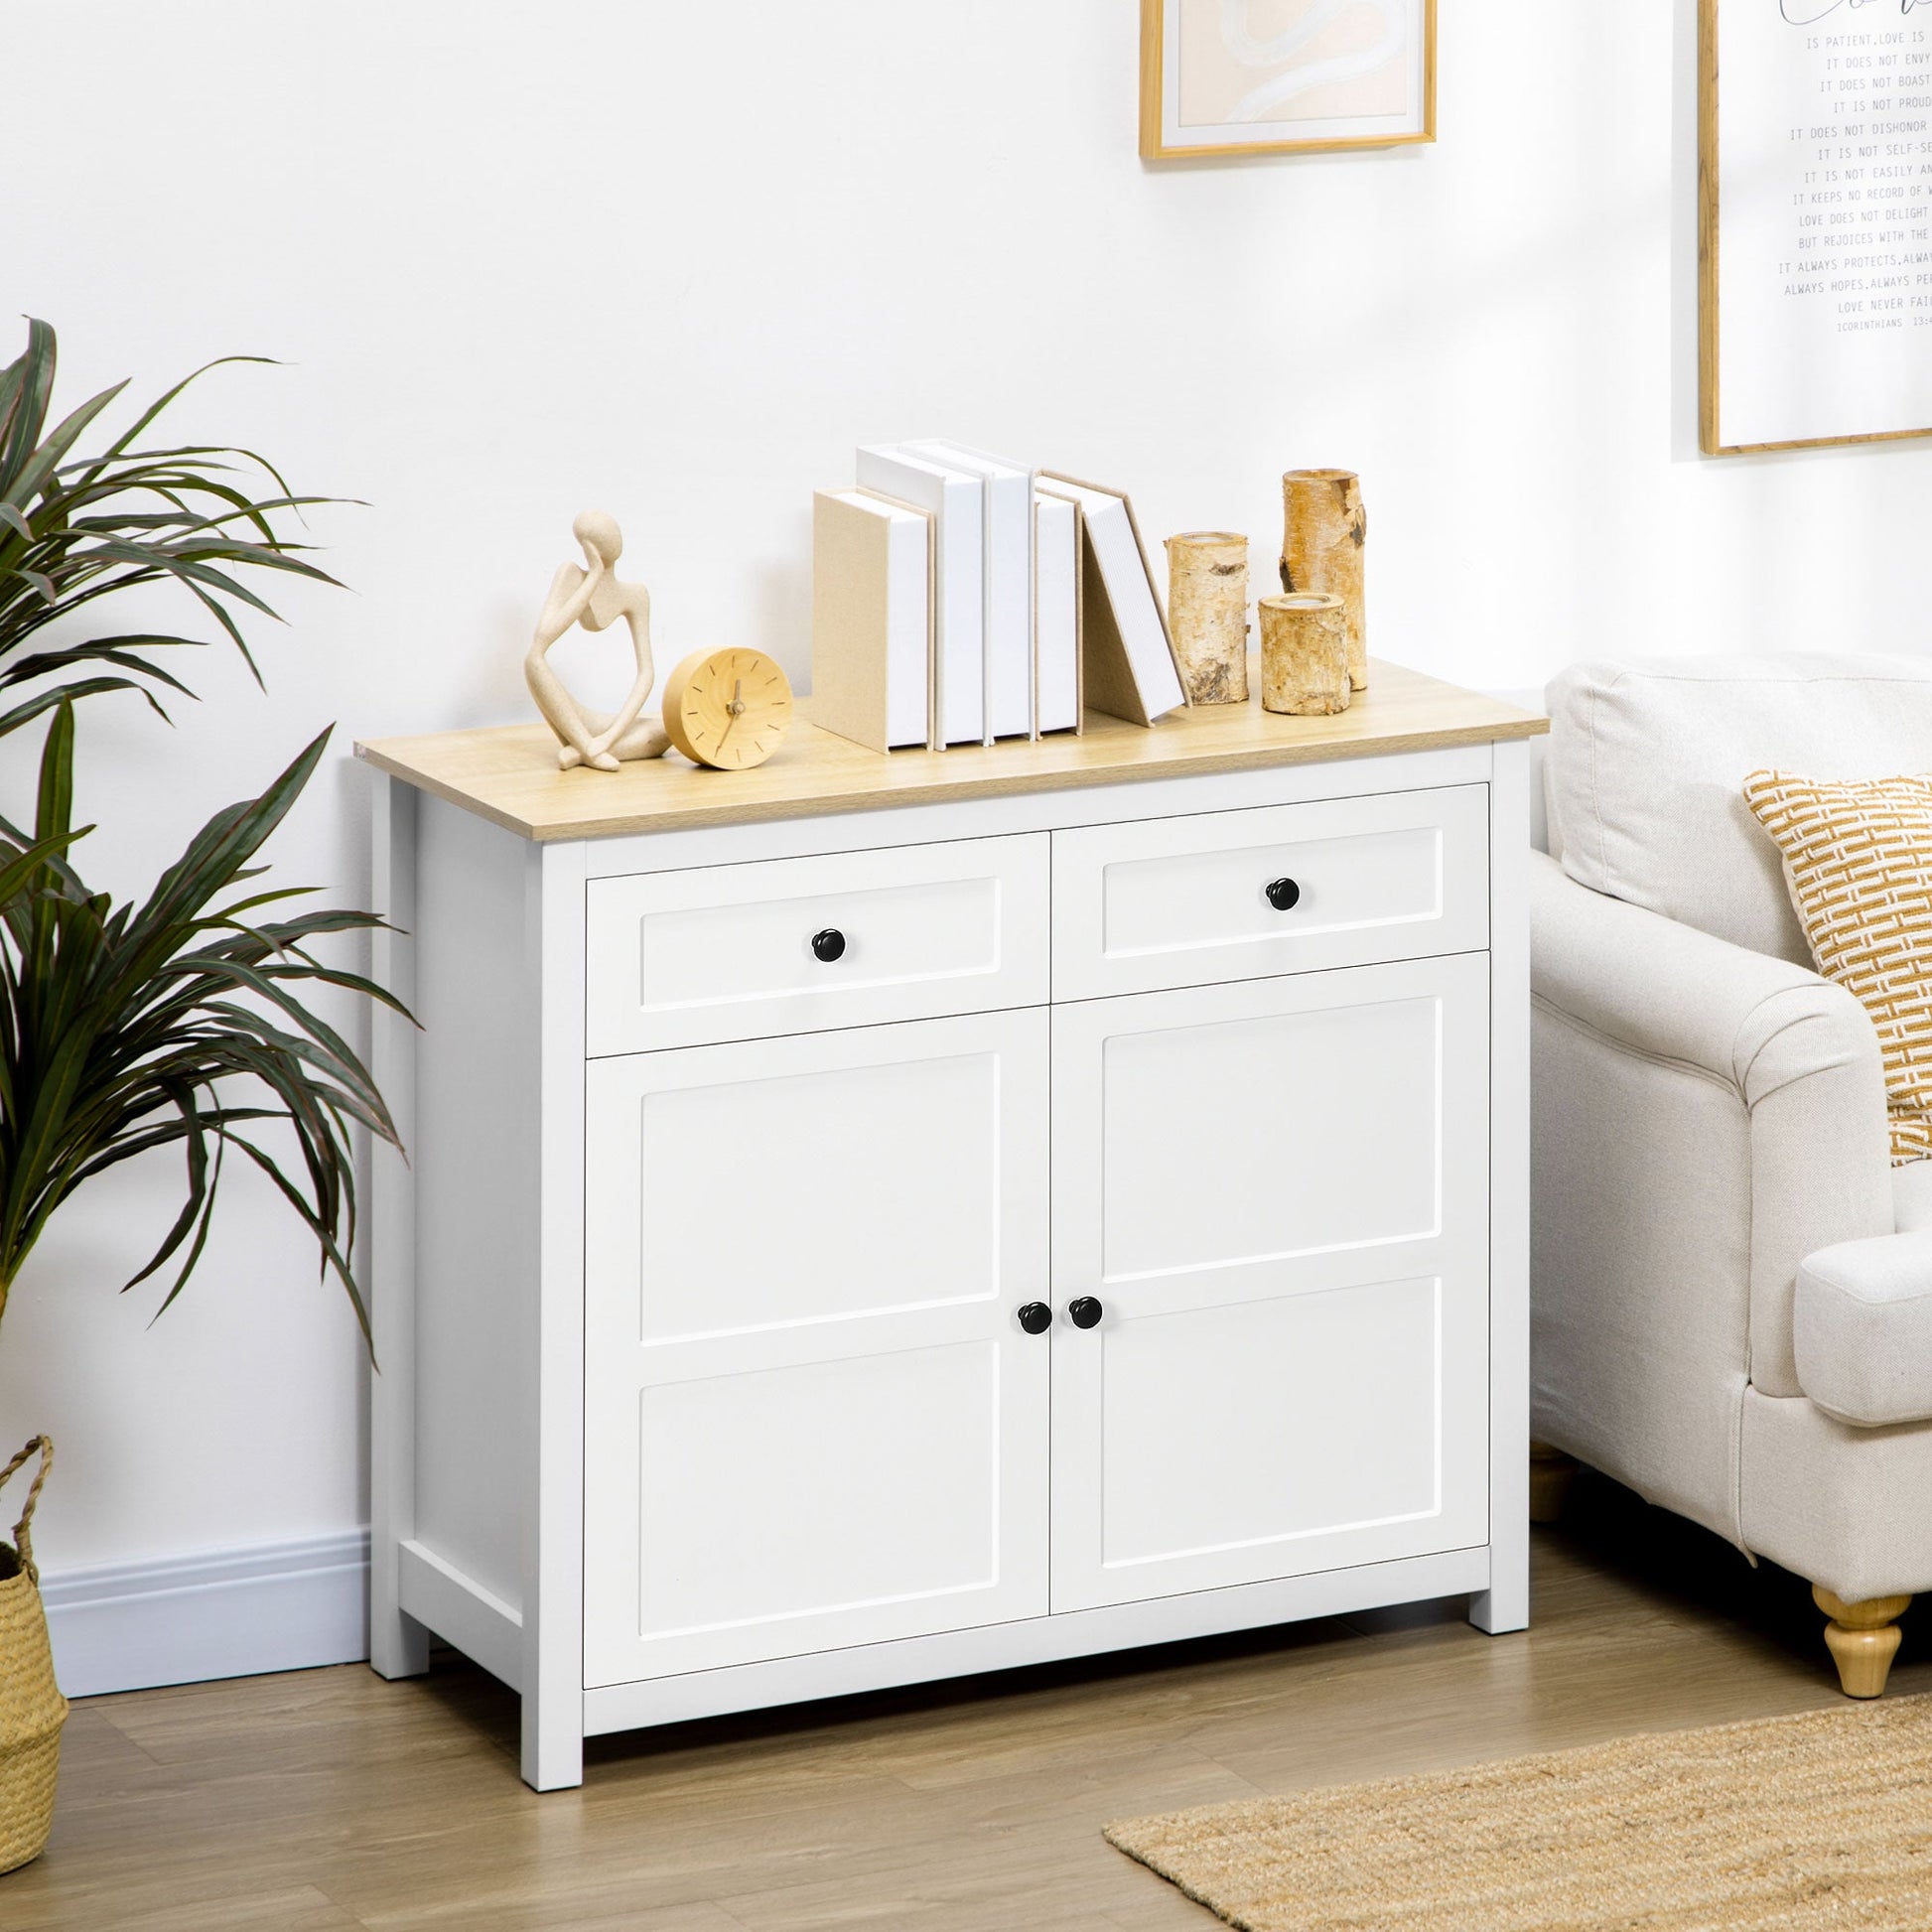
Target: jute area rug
[1819,1820]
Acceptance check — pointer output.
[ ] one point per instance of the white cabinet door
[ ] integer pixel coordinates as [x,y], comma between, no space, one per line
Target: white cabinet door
[812,1417]
[1277,1192]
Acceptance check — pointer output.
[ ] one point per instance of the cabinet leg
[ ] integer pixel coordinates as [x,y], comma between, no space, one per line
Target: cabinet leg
[1863,1640]
[398,1644]
[552,1743]
[1499,1610]
[1505,1604]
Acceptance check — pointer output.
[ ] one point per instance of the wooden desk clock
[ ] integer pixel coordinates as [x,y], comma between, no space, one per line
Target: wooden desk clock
[728,709]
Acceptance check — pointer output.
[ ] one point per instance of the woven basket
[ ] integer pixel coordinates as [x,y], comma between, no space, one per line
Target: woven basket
[32,1708]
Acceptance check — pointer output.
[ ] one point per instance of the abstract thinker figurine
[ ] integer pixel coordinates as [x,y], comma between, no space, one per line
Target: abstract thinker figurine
[594,598]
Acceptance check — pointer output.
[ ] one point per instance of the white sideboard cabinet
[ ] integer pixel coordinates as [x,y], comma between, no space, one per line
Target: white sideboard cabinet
[872,1218]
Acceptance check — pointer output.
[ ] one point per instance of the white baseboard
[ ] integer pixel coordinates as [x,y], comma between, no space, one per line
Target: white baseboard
[227,1614]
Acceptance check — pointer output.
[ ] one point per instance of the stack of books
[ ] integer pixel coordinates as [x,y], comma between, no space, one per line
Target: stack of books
[958,599]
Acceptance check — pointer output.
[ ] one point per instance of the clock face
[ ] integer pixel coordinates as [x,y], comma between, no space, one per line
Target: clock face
[726,708]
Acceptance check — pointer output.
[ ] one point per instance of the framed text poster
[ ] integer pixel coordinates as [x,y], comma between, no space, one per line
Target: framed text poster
[1815,222]
[1285,76]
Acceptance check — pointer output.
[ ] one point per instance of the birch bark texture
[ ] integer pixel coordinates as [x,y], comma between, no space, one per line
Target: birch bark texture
[1207,614]
[1304,654]
[1324,531]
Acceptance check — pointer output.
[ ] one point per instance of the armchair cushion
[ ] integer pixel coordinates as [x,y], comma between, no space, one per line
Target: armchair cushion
[1647,762]
[1862,1320]
[1858,858]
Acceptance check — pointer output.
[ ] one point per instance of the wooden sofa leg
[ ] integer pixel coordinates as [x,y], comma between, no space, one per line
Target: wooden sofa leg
[1551,1474]
[1863,1640]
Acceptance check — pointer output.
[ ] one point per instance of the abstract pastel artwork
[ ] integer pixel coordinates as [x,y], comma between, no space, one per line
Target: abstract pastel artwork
[1278,77]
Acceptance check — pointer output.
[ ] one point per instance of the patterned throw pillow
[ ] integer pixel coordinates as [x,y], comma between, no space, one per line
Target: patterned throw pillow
[1857,857]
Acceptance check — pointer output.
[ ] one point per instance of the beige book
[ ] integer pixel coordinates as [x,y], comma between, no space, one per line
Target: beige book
[1127,662]
[872,629]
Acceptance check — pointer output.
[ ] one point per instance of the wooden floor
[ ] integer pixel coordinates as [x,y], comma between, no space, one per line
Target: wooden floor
[328,1799]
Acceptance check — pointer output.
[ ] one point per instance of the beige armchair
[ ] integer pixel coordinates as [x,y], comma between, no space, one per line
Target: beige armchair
[1731,1286]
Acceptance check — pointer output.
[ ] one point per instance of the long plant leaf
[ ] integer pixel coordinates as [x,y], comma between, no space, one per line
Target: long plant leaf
[75,527]
[125,1028]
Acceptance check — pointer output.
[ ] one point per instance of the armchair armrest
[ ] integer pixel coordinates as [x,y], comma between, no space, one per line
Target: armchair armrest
[1666,989]
[1705,1118]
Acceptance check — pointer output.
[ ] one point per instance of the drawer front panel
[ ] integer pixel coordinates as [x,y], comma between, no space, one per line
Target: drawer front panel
[687,958]
[1186,902]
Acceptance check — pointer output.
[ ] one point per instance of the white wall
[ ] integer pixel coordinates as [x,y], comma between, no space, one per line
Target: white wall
[675,261]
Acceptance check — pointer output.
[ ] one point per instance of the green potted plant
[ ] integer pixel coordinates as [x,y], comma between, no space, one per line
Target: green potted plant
[180,1020]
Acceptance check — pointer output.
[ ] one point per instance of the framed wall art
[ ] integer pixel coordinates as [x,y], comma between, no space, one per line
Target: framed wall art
[1285,76]
[1814,222]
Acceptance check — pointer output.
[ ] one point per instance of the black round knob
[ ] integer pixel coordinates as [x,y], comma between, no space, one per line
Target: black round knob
[1036,1317]
[1084,1312]
[829,945]
[1284,895]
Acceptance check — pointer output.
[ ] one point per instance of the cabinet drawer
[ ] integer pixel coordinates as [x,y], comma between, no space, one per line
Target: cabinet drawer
[1186,902]
[685,958]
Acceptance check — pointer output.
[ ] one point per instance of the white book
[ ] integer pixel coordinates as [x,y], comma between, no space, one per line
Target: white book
[954,496]
[1007,526]
[871,618]
[1056,611]
[1127,645]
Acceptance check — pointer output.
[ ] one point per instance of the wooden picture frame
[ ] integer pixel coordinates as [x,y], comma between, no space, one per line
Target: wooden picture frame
[1814,311]
[1228,127]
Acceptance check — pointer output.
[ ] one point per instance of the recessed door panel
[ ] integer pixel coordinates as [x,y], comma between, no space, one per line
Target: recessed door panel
[848,1484]
[1272,1197]
[812,1418]
[1270,1134]
[866,1183]
[1208,1414]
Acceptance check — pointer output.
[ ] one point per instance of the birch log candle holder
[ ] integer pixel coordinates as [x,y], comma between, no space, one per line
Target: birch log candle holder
[1305,654]
[1208,613]
[1325,529]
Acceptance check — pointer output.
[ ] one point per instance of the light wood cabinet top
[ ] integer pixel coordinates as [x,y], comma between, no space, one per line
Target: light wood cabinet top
[508,775]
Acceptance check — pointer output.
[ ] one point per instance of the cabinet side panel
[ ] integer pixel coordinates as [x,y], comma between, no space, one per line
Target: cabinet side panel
[476,1175]
[398,1644]
[1505,1604]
